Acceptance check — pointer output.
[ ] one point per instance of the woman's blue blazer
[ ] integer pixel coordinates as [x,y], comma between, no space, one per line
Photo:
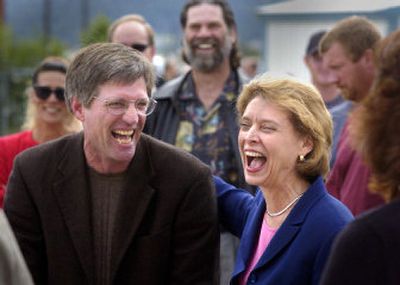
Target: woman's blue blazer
[297,253]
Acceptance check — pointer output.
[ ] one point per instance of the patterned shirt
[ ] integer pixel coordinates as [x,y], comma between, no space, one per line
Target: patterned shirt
[205,133]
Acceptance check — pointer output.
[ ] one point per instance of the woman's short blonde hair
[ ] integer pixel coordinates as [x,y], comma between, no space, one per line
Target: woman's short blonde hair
[307,113]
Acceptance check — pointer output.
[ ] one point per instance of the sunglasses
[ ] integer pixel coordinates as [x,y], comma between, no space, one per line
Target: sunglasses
[44,92]
[139,47]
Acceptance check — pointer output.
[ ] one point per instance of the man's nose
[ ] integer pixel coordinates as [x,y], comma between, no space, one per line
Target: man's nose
[331,77]
[204,31]
[131,114]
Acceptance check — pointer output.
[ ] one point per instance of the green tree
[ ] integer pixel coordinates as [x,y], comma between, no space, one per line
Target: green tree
[96,32]
[17,60]
[5,46]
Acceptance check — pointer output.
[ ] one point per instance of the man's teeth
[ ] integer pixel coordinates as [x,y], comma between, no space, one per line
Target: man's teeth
[124,133]
[124,141]
[205,46]
[123,136]
[253,154]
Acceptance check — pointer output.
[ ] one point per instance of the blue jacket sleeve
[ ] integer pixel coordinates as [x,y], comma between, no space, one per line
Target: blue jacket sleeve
[234,205]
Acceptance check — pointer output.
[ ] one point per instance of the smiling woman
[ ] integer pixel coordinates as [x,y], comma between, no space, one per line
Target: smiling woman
[284,140]
[47,117]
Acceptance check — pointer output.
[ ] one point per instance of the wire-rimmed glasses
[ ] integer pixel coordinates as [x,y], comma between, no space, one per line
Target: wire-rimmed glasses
[118,106]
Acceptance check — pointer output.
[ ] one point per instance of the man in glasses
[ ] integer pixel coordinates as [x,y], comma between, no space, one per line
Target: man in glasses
[46,117]
[196,111]
[111,205]
[134,31]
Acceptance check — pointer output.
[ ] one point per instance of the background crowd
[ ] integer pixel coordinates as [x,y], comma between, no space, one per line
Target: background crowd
[217,174]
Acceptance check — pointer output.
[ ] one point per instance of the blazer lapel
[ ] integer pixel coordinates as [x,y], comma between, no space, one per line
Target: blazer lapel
[291,226]
[250,237]
[71,190]
[283,237]
[134,202]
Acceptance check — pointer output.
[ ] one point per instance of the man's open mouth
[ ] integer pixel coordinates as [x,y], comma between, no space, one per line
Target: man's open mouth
[123,136]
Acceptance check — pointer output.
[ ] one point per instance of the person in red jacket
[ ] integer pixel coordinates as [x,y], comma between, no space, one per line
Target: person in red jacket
[367,250]
[46,118]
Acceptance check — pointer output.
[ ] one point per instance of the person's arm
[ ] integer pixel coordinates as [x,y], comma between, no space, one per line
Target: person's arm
[344,154]
[25,222]
[234,205]
[195,239]
[2,193]
[356,257]
[4,173]
[13,270]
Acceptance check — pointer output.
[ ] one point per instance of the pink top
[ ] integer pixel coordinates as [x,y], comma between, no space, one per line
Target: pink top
[266,235]
[10,146]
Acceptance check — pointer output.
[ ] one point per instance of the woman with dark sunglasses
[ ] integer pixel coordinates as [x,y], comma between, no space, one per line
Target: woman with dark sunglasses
[46,118]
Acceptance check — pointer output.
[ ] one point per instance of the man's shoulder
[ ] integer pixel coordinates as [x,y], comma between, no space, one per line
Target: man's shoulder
[168,89]
[243,78]
[51,148]
[169,155]
[343,107]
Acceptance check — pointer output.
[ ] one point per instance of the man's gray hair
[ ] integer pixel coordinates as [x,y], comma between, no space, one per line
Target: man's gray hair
[103,63]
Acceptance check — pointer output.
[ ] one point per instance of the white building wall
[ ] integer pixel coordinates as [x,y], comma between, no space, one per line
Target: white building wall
[286,41]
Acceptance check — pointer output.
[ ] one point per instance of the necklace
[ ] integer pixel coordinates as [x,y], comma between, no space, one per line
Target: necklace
[284,209]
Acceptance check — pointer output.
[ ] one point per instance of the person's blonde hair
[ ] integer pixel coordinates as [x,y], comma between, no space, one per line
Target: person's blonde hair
[307,113]
[51,63]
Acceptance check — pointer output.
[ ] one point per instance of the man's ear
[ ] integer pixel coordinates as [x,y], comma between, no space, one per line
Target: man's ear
[368,58]
[233,35]
[152,51]
[77,109]
[306,61]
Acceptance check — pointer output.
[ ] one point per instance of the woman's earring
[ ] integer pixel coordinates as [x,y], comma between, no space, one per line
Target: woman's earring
[301,158]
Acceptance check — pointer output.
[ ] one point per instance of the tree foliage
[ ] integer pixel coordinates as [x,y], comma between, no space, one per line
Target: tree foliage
[17,60]
[25,53]
[96,32]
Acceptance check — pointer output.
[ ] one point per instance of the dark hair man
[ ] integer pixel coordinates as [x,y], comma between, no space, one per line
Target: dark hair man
[196,111]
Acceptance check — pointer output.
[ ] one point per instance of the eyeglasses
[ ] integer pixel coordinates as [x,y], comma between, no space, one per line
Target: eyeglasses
[119,107]
[139,47]
[44,92]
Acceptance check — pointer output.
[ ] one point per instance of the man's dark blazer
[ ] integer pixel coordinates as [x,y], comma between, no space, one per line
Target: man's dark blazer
[166,228]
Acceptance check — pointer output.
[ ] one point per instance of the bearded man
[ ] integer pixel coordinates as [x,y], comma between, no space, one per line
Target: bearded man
[195,111]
